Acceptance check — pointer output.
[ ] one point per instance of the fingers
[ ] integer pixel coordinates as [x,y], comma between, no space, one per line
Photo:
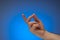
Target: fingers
[39,22]
[41,26]
[35,17]
[31,24]
[24,17]
[36,25]
[29,18]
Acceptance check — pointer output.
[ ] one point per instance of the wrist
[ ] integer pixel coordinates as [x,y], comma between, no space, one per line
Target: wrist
[50,36]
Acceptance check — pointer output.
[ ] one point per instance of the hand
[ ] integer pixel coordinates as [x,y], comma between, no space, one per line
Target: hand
[36,27]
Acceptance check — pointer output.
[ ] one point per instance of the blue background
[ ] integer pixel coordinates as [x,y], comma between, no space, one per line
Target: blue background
[13,26]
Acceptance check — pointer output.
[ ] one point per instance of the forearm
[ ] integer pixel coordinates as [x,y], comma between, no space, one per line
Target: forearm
[50,36]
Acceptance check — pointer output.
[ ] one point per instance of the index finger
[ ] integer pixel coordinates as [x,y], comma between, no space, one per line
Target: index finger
[24,17]
[29,18]
[36,19]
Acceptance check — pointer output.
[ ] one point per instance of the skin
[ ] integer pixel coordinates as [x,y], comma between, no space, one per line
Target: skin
[37,28]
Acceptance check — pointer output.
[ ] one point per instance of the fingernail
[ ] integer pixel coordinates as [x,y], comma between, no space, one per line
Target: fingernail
[33,13]
[22,14]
